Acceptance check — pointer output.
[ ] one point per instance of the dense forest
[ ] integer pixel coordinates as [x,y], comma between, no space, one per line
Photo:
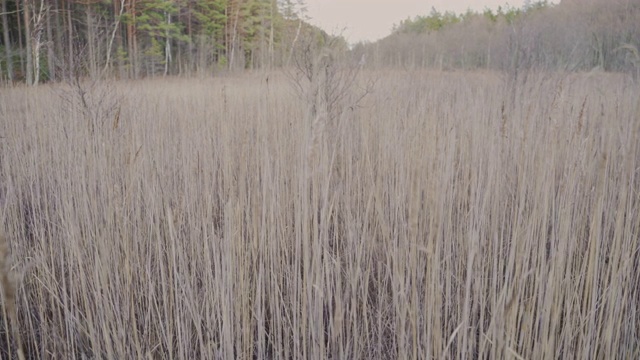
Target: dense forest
[141,38]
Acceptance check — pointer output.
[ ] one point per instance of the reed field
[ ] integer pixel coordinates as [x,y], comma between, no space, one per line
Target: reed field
[432,215]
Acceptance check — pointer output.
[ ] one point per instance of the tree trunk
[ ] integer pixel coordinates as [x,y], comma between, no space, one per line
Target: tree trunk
[130,37]
[295,40]
[134,40]
[27,37]
[119,39]
[264,56]
[59,50]
[167,45]
[234,39]
[117,13]
[192,60]
[51,66]
[20,44]
[36,35]
[7,43]
[70,63]
[271,32]
[91,41]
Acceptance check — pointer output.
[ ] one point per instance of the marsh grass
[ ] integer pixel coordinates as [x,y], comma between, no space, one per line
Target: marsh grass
[448,216]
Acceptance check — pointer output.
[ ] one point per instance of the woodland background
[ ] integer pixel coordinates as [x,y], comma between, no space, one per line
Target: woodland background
[50,40]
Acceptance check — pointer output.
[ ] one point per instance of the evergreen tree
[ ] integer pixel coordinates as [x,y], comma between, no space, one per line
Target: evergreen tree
[254,13]
[211,18]
[157,23]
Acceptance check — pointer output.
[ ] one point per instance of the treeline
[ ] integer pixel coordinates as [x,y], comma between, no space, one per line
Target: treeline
[57,39]
[573,35]
[50,40]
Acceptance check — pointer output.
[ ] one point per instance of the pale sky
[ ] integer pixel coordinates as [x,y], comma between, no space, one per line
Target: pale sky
[371,20]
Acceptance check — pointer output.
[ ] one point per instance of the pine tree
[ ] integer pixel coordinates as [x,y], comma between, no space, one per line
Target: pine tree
[211,17]
[254,13]
[156,23]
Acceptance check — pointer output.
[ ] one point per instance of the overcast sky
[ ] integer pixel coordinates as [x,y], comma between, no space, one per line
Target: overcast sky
[373,19]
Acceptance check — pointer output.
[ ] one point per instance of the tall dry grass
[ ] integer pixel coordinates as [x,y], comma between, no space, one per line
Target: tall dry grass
[449,216]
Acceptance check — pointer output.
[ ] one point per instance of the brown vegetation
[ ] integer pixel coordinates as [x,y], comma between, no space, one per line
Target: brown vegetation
[448,215]
[578,35]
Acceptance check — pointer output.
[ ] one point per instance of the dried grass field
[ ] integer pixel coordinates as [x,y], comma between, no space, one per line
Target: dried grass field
[442,216]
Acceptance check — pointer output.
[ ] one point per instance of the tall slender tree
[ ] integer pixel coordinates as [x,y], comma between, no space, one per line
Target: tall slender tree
[132,38]
[51,68]
[70,47]
[27,36]
[118,9]
[38,17]
[7,41]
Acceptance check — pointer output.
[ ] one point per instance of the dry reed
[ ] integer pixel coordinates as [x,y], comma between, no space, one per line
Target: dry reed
[450,216]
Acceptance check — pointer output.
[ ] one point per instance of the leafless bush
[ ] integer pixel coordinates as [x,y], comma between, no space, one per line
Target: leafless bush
[94,97]
[325,79]
[97,100]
